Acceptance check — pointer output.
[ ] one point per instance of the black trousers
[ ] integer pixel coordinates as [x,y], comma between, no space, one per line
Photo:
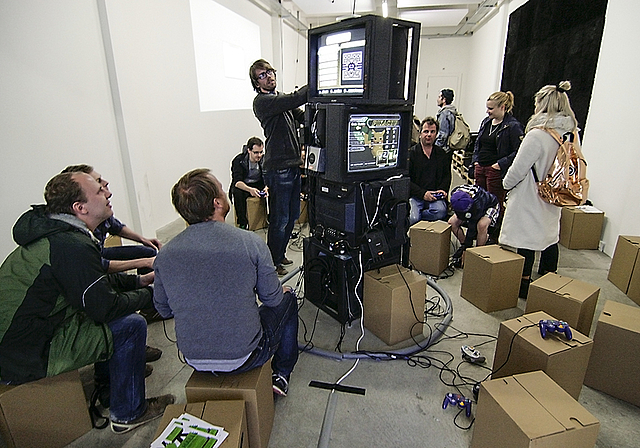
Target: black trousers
[548,260]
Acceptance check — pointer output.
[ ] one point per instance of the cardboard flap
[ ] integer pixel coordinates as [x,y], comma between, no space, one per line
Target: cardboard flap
[513,398]
[635,240]
[552,282]
[555,400]
[431,226]
[386,271]
[621,315]
[578,289]
[495,253]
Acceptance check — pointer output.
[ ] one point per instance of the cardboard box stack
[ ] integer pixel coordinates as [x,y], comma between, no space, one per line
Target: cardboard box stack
[50,412]
[563,360]
[254,387]
[394,300]
[491,278]
[430,243]
[613,366]
[564,298]
[581,227]
[624,271]
[530,410]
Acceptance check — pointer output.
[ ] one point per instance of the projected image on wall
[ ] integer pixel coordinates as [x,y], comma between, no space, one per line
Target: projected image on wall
[225,45]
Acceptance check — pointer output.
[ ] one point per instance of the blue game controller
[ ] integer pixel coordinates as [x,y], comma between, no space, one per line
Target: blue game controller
[438,195]
[554,326]
[458,401]
[262,194]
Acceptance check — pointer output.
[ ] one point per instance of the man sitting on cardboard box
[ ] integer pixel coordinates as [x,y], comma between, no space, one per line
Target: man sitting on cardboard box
[60,311]
[476,209]
[430,173]
[246,178]
[208,278]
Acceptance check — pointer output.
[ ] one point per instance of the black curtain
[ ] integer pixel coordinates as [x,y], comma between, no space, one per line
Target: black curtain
[549,41]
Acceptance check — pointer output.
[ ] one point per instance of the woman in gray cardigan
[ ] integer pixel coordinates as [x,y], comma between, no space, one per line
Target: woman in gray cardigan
[530,224]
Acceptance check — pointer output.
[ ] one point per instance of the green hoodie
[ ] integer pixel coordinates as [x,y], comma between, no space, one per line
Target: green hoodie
[56,300]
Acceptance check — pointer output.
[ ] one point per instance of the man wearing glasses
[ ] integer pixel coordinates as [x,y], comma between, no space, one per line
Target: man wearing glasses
[246,178]
[280,118]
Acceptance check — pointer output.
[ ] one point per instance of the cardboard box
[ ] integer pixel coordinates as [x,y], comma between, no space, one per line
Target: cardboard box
[50,412]
[563,360]
[304,212]
[430,242]
[613,366]
[530,410]
[581,227]
[254,387]
[491,278]
[229,414]
[564,298]
[624,271]
[390,307]
[257,213]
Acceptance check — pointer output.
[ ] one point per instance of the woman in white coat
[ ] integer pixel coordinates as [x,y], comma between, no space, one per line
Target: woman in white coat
[530,224]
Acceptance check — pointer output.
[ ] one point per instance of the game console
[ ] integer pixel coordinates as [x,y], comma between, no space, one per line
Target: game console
[554,326]
[458,401]
[438,195]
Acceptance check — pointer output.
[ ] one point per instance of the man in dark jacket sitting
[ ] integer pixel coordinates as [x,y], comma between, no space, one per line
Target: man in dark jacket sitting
[246,178]
[60,310]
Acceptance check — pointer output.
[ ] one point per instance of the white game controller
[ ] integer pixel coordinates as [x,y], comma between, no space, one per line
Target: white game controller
[470,354]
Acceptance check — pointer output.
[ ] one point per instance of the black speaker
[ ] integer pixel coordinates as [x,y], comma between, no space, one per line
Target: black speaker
[331,273]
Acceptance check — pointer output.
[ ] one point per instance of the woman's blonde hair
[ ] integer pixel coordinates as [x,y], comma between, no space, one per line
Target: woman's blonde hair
[552,101]
[505,99]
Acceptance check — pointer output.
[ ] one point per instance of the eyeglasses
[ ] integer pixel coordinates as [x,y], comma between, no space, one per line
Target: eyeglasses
[270,72]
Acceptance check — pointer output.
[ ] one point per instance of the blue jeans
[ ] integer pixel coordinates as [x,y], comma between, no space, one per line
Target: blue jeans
[279,338]
[422,210]
[284,209]
[125,369]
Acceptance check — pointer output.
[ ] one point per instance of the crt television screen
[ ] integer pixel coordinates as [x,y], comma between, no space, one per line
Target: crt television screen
[374,141]
[341,63]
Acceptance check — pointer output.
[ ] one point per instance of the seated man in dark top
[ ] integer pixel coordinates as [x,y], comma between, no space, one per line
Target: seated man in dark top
[476,209]
[430,173]
[246,178]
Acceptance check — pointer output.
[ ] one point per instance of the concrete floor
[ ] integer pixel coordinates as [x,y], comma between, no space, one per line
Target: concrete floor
[403,402]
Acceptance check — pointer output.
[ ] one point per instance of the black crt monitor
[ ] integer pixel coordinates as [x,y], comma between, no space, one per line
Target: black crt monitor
[360,142]
[364,60]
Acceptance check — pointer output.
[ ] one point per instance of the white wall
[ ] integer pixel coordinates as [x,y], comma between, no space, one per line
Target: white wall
[610,143]
[57,104]
[56,107]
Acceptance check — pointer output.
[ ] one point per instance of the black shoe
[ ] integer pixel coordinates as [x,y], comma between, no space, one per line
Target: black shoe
[285,261]
[148,370]
[151,315]
[280,384]
[152,354]
[155,409]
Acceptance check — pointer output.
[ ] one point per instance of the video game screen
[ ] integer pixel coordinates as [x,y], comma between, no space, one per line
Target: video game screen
[373,142]
[341,63]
